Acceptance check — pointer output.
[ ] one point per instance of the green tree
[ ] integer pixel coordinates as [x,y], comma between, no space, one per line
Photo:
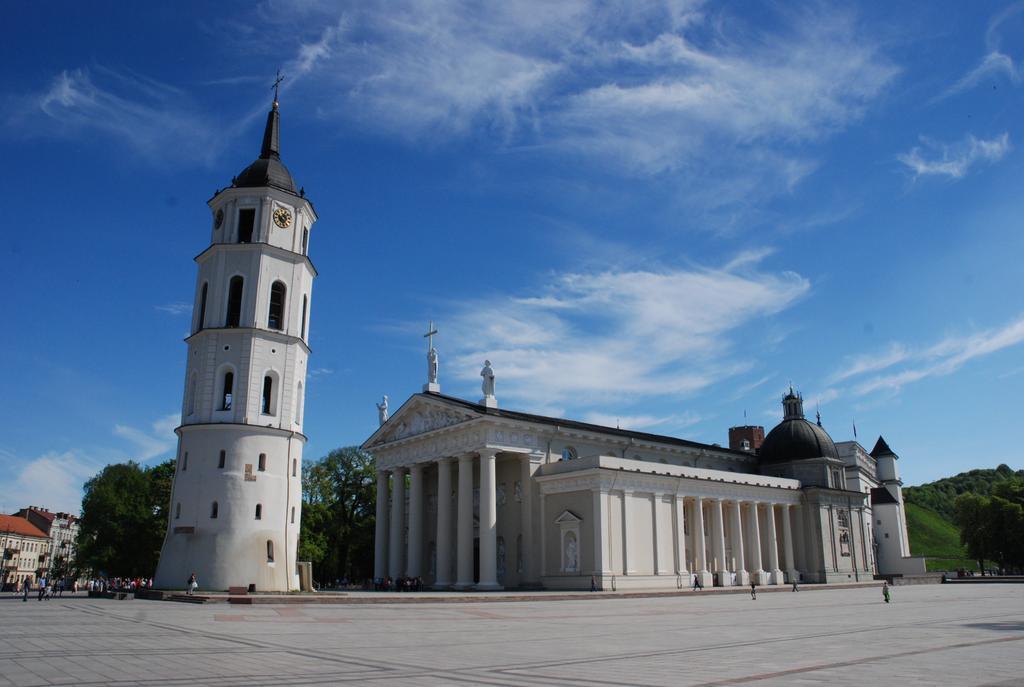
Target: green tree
[338,515]
[971,516]
[124,517]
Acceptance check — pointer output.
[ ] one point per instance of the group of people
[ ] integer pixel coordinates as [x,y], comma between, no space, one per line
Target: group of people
[398,584]
[48,588]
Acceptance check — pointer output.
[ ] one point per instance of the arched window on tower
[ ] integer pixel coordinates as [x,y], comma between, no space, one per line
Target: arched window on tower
[305,304]
[246,222]
[295,467]
[222,459]
[298,404]
[227,387]
[305,240]
[268,395]
[262,462]
[184,462]
[275,315]
[270,551]
[259,511]
[234,314]
[201,322]
[293,515]
[213,510]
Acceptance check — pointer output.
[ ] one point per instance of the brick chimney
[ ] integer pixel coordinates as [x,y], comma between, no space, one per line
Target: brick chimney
[746,438]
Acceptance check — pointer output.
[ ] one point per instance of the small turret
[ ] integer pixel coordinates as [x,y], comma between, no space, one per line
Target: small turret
[885,462]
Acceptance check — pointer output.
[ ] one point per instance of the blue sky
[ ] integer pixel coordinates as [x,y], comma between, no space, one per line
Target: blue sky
[656,214]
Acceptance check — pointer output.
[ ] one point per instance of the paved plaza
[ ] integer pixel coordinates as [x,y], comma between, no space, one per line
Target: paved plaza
[930,634]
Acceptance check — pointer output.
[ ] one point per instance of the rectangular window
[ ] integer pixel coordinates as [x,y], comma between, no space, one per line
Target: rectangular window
[246,222]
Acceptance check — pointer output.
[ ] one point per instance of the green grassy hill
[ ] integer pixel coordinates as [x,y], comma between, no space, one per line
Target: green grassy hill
[938,496]
[933,536]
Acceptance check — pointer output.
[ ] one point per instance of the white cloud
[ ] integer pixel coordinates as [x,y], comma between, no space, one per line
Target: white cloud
[156,120]
[943,358]
[53,480]
[634,88]
[954,160]
[588,339]
[176,308]
[152,443]
[872,362]
[996,62]
[640,422]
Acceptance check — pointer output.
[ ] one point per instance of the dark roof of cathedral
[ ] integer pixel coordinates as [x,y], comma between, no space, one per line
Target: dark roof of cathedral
[881,449]
[267,169]
[797,438]
[880,495]
[585,426]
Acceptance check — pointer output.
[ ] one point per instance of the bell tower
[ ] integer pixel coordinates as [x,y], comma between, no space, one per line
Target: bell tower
[237,497]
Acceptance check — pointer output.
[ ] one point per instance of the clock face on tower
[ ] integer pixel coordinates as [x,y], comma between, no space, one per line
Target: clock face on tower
[282,218]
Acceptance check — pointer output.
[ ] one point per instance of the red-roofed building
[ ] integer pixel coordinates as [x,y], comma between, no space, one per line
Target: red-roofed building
[25,551]
[61,528]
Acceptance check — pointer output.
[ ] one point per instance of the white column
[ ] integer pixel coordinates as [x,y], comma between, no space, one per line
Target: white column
[773,545]
[602,564]
[414,565]
[464,534]
[488,521]
[756,571]
[526,520]
[742,578]
[680,511]
[443,566]
[656,528]
[718,542]
[628,557]
[395,558]
[787,533]
[380,535]
[701,558]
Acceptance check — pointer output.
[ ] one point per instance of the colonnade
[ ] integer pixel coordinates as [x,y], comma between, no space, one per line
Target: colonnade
[726,541]
[396,555]
[751,532]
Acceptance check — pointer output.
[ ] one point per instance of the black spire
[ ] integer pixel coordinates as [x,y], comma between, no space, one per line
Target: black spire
[267,169]
[271,138]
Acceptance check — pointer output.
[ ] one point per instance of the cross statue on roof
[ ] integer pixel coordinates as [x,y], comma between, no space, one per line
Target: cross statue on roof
[431,360]
[429,336]
[277,82]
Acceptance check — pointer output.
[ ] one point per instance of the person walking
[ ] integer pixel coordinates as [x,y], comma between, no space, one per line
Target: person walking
[193,584]
[593,583]
[795,587]
[885,591]
[24,590]
[753,591]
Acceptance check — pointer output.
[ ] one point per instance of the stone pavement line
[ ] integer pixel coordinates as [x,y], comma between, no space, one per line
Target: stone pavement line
[262,648]
[378,669]
[854,662]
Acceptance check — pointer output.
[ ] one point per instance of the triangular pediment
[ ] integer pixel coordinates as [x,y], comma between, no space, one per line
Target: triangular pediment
[417,416]
[567,516]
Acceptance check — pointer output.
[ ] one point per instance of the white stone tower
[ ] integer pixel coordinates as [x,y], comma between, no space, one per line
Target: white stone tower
[237,498]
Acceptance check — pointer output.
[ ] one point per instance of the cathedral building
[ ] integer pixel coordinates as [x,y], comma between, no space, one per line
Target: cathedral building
[473,496]
[237,494]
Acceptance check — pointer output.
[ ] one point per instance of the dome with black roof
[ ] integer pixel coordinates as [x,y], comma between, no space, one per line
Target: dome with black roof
[796,438]
[267,169]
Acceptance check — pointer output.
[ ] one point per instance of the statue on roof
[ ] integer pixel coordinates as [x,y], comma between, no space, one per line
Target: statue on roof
[488,383]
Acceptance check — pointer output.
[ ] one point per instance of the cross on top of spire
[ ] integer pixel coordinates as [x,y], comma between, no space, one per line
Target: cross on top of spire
[277,83]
